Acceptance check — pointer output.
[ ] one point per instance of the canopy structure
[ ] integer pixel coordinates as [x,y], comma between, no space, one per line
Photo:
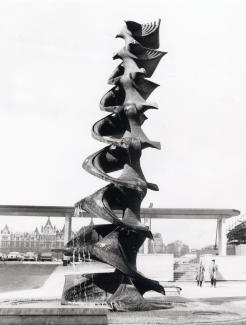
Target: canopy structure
[152,213]
[155,213]
[237,235]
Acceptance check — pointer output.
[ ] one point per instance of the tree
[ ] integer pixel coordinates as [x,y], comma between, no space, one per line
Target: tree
[178,248]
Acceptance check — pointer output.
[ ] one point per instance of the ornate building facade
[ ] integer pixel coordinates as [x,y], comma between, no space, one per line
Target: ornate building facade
[153,246]
[156,246]
[47,238]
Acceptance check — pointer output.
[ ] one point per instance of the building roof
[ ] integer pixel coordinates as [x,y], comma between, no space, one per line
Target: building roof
[48,223]
[5,229]
[36,231]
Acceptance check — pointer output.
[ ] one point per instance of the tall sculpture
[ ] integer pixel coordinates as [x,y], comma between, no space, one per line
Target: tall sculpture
[118,243]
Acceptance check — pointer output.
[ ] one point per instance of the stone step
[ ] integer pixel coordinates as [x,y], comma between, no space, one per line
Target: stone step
[184,278]
[182,274]
[185,266]
[185,272]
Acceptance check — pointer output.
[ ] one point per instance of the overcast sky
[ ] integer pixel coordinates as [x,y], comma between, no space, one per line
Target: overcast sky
[55,58]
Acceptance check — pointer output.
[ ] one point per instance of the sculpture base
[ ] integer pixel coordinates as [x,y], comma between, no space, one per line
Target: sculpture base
[80,289]
[128,298]
[77,289]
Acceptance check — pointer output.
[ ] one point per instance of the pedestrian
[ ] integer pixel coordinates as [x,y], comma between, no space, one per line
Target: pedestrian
[213,269]
[200,274]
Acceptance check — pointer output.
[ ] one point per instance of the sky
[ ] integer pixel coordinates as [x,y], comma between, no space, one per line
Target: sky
[55,59]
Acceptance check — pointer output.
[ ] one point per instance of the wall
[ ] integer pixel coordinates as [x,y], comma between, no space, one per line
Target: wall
[230,249]
[229,267]
[240,249]
[156,266]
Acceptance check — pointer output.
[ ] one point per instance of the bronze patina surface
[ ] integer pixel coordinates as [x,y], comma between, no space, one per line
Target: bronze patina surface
[118,244]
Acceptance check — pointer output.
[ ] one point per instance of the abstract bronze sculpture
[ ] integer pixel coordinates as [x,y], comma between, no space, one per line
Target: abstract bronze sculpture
[118,243]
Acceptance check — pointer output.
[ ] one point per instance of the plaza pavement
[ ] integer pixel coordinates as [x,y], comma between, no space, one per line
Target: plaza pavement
[225,304]
[52,288]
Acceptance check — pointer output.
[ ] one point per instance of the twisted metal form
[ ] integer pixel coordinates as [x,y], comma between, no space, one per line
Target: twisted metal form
[118,244]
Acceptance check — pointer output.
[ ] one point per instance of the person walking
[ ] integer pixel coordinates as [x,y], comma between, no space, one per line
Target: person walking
[200,274]
[213,269]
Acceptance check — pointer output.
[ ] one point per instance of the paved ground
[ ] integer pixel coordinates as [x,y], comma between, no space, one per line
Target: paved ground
[19,276]
[222,305]
[189,313]
[223,289]
[53,286]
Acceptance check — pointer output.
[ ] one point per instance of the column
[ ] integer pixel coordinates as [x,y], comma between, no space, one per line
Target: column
[146,242]
[67,229]
[222,239]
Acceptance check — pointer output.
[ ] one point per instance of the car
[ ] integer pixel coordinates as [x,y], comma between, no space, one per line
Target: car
[14,256]
[30,256]
[45,256]
[66,260]
[3,256]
